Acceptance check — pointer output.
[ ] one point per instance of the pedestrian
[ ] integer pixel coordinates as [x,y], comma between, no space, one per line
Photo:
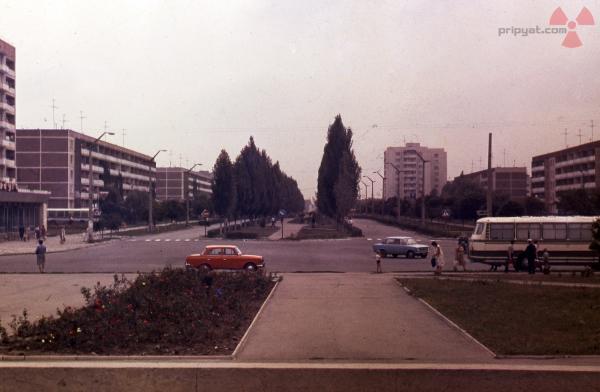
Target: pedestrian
[438,255]
[378,261]
[63,235]
[37,233]
[510,254]
[546,262]
[313,220]
[459,259]
[22,232]
[43,232]
[40,252]
[530,255]
[272,221]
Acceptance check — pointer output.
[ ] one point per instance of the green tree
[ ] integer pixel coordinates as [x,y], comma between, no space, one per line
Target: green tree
[345,189]
[135,207]
[534,206]
[337,152]
[223,185]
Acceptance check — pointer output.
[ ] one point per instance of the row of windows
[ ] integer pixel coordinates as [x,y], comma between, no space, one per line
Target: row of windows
[544,231]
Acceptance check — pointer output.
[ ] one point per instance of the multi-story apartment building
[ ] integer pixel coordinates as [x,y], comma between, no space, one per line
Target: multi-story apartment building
[19,207]
[58,160]
[558,171]
[510,181]
[406,178]
[171,183]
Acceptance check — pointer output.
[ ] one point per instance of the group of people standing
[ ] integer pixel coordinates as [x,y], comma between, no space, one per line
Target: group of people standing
[535,258]
[38,232]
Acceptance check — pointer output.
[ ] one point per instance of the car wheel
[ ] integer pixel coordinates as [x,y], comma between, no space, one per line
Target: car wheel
[410,254]
[205,268]
[250,267]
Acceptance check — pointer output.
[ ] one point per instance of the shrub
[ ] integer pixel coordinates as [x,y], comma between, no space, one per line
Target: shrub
[174,311]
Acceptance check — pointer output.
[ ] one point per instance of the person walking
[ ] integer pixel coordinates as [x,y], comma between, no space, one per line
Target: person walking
[459,259]
[546,262]
[22,232]
[378,262]
[37,233]
[63,235]
[510,254]
[40,252]
[530,255]
[43,232]
[438,255]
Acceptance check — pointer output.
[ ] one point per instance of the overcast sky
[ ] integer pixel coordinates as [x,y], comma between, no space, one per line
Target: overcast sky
[195,77]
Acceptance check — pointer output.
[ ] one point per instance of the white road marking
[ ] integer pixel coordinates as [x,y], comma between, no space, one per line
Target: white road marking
[148,240]
[168,240]
[196,240]
[157,240]
[187,240]
[369,239]
[177,240]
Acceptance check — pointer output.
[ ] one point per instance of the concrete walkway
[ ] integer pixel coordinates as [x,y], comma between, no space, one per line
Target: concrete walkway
[356,317]
[289,229]
[73,241]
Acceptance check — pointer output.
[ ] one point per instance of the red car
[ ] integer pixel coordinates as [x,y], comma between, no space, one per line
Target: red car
[227,257]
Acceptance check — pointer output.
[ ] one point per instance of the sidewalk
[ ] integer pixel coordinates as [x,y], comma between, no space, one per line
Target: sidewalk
[73,241]
[289,229]
[353,317]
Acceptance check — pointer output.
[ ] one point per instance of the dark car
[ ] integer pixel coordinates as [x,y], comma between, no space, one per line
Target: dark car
[405,246]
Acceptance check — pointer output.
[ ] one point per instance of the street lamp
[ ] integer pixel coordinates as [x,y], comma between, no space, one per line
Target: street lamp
[423,190]
[372,198]
[366,190]
[398,193]
[150,198]
[91,187]
[187,194]
[382,191]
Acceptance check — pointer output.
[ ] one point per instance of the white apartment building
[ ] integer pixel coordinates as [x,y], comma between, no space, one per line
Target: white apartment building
[404,171]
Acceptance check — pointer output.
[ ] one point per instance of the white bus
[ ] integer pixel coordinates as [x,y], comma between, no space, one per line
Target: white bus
[65,215]
[567,238]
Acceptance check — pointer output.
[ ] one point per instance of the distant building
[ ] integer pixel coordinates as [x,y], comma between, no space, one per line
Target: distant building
[172,182]
[57,160]
[19,207]
[407,181]
[510,181]
[562,170]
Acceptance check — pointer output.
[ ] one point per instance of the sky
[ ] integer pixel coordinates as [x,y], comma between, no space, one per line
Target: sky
[195,77]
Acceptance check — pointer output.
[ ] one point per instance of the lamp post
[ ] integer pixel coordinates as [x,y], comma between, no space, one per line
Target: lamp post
[187,195]
[90,229]
[372,198]
[423,190]
[366,191]
[150,198]
[382,191]
[398,193]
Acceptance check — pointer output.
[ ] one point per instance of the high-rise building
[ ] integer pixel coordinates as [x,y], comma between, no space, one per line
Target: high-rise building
[404,171]
[19,207]
[57,160]
[510,181]
[562,170]
[171,183]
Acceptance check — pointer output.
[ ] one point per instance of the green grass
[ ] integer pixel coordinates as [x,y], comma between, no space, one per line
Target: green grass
[514,319]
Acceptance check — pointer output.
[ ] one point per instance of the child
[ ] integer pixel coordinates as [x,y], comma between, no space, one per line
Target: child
[378,261]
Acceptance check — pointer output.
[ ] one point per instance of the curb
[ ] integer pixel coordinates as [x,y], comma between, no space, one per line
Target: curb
[450,322]
[244,338]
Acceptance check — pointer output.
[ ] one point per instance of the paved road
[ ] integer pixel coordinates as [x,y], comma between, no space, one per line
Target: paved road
[355,316]
[146,253]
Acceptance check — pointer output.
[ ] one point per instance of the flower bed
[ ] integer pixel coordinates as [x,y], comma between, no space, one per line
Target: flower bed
[172,312]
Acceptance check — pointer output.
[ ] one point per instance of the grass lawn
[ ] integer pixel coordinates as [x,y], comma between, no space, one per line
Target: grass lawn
[514,319]
[257,231]
[563,277]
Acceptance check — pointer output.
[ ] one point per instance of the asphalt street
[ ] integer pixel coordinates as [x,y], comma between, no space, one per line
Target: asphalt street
[152,252]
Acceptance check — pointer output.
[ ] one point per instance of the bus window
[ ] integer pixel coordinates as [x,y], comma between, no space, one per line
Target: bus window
[554,231]
[502,231]
[580,231]
[528,231]
[479,228]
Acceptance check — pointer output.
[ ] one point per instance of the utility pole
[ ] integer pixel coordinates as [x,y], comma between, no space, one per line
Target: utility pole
[566,133]
[366,191]
[150,195]
[592,127]
[123,134]
[422,189]
[398,187]
[490,182]
[579,134]
[64,120]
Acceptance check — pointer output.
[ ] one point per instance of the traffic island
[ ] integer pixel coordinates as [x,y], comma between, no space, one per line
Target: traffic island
[516,319]
[171,312]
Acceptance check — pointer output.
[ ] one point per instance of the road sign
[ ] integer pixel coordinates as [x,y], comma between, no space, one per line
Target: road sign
[282,212]
[445,213]
[481,213]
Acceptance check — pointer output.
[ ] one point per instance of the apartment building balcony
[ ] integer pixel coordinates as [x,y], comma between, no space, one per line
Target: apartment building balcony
[109,158]
[576,161]
[97,169]
[8,163]
[6,70]
[6,124]
[8,108]
[7,88]
[575,174]
[586,185]
[8,144]
[86,182]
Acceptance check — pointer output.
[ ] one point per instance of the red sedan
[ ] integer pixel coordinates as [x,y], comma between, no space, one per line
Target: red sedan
[227,257]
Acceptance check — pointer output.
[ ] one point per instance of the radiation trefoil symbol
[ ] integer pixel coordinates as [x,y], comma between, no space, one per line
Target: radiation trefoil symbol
[584,18]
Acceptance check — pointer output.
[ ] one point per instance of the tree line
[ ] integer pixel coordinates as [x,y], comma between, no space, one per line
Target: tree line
[253,186]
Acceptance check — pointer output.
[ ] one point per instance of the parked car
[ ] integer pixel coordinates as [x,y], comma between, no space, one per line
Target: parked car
[405,246]
[227,257]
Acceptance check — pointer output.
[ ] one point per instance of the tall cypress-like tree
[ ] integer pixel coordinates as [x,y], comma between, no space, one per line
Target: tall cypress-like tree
[339,173]
[223,185]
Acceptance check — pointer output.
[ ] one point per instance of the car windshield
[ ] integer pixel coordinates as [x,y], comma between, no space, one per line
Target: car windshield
[410,241]
[237,251]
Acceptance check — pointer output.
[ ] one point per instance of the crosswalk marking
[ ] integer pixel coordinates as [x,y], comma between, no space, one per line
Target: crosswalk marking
[177,240]
[157,240]
[148,240]
[168,240]
[187,240]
